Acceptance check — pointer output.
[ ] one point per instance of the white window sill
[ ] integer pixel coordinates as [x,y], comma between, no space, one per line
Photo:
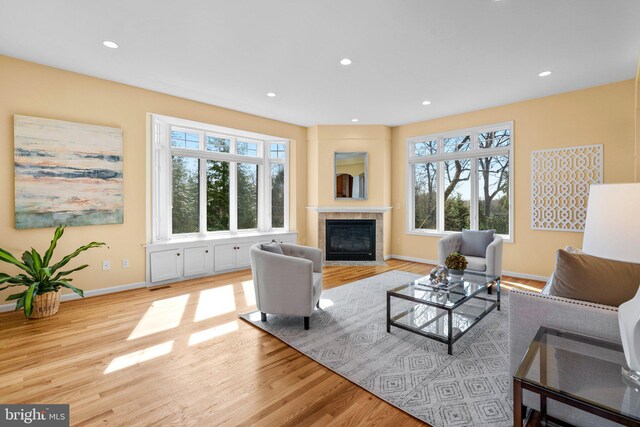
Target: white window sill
[505,238]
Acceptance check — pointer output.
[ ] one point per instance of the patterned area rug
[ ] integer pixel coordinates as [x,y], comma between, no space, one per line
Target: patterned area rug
[348,335]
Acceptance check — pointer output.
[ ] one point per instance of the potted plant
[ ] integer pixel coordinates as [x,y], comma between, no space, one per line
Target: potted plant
[43,281]
[456,263]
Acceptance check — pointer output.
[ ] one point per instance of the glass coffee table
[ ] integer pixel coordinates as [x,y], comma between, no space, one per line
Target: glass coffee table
[578,371]
[445,314]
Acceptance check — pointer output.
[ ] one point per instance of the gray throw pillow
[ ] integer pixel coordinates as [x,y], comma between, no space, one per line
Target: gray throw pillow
[589,278]
[474,243]
[273,247]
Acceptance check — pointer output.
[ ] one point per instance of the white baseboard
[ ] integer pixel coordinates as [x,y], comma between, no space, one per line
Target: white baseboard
[525,276]
[412,259]
[90,293]
[506,273]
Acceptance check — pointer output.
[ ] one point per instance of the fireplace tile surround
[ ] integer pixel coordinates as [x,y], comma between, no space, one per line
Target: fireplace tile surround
[377,216]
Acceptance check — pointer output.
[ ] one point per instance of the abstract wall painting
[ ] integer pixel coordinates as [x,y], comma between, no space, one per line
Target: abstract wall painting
[67,173]
[560,181]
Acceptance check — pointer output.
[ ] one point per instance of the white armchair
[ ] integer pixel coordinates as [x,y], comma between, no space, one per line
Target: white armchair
[491,264]
[289,284]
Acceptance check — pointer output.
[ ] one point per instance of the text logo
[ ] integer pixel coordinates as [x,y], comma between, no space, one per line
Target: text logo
[34,415]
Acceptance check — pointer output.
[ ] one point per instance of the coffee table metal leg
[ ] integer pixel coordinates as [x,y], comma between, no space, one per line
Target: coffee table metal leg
[388,312]
[450,326]
[517,403]
[498,293]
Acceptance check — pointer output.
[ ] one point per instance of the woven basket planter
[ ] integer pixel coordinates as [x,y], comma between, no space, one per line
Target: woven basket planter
[45,305]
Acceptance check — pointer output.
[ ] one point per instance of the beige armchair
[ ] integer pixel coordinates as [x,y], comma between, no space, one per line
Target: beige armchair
[288,284]
[490,264]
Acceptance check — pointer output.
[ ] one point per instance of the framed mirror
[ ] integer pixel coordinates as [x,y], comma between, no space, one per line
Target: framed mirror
[350,171]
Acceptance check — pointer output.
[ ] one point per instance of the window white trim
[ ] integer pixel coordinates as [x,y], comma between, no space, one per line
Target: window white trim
[474,153]
[161,158]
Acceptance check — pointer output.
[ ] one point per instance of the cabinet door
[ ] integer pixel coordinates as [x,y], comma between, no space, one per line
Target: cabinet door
[166,265]
[225,257]
[243,259]
[196,260]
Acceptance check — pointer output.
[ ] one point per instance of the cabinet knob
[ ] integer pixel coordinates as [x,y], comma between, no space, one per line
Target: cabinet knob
[207,251]
[178,254]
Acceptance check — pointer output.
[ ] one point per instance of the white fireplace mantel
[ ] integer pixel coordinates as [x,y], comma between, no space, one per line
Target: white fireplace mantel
[361,209]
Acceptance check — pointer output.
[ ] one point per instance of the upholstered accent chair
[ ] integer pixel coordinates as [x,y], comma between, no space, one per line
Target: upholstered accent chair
[490,263]
[287,283]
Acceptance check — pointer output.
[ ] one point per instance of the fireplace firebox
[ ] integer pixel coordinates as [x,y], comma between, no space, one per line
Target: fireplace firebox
[351,239]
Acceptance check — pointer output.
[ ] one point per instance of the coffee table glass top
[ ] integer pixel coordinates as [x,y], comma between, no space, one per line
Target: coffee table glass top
[580,367]
[470,284]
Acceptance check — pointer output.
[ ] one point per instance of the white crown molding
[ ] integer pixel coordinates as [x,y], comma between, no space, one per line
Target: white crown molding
[365,209]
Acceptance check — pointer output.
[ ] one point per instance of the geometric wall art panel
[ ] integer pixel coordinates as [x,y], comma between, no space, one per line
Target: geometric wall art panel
[560,181]
[66,173]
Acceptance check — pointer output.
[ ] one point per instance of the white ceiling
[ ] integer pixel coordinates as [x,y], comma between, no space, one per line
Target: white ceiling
[462,55]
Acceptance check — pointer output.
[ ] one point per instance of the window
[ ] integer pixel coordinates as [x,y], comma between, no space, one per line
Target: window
[461,179]
[209,179]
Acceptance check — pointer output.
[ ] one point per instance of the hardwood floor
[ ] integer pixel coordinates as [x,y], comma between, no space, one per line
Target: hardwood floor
[179,355]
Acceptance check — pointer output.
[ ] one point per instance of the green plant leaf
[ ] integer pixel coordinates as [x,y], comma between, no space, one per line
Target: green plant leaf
[27,258]
[10,286]
[10,259]
[74,254]
[49,253]
[4,277]
[66,284]
[37,260]
[29,297]
[15,296]
[22,279]
[47,287]
[66,273]
[20,302]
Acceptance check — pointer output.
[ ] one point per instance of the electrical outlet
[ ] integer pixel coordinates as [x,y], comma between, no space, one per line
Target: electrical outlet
[125,263]
[106,265]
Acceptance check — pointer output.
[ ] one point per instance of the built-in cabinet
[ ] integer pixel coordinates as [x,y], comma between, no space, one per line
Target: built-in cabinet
[233,256]
[166,265]
[196,261]
[180,260]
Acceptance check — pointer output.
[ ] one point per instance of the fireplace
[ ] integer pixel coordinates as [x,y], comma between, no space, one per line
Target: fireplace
[351,239]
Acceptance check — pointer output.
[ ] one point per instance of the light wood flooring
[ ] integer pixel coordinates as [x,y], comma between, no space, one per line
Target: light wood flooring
[180,356]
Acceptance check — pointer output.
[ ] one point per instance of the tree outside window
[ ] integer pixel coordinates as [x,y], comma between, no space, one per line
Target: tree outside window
[475,185]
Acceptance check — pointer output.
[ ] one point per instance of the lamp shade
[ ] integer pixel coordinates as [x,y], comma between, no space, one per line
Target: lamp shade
[612,228]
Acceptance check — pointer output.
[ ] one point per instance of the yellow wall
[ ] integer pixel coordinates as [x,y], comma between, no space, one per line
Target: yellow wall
[598,115]
[35,90]
[323,142]
[637,117]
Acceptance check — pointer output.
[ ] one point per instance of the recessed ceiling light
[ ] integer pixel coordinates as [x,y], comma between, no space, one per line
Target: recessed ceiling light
[544,73]
[271,94]
[345,61]
[426,102]
[355,120]
[110,44]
